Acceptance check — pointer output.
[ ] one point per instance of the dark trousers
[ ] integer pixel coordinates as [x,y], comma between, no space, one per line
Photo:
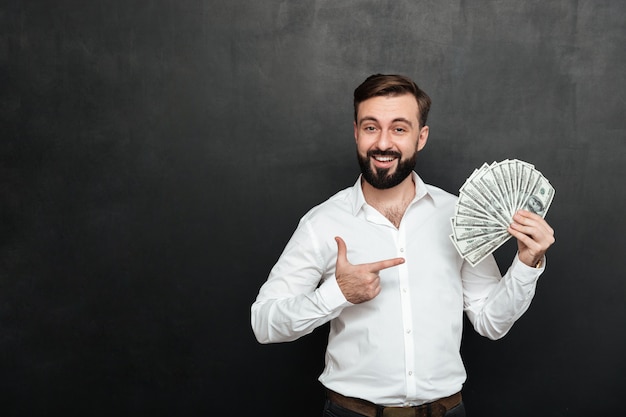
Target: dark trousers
[333,410]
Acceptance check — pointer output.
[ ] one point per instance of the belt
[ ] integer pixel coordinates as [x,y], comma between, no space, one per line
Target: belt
[434,409]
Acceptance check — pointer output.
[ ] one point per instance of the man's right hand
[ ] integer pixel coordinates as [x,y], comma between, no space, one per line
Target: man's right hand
[359,283]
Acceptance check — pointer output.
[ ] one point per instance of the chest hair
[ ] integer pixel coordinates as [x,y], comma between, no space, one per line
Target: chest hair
[394,213]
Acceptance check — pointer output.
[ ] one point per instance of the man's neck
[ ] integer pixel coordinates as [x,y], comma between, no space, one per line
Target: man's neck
[401,192]
[391,202]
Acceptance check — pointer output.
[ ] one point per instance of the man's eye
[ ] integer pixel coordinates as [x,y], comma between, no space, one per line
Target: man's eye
[370,128]
[400,129]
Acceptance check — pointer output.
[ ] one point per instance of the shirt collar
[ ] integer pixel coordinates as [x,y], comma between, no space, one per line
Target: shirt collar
[358,199]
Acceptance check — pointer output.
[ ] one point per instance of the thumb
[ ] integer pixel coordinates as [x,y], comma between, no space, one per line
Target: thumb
[342,251]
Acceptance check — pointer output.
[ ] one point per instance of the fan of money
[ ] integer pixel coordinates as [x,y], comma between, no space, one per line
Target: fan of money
[487,202]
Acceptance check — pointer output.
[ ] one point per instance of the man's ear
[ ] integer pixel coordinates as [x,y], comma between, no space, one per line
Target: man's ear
[422,138]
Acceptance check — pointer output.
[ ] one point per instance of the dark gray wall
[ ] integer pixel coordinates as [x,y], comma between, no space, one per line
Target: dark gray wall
[157,155]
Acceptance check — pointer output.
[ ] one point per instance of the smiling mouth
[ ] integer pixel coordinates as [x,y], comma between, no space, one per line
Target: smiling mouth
[384,158]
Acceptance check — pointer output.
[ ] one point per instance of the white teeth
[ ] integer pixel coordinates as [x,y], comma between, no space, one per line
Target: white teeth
[384,158]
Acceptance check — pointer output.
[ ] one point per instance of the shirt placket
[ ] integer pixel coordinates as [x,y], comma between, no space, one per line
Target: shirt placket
[407,321]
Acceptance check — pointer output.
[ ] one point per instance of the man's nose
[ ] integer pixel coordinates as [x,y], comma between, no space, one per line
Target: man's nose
[384,140]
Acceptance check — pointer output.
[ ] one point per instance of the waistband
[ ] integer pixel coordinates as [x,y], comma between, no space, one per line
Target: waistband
[433,409]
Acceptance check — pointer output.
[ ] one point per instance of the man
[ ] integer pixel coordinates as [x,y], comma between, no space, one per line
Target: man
[396,323]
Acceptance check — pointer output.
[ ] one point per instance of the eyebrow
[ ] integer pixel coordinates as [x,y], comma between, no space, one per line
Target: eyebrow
[373,119]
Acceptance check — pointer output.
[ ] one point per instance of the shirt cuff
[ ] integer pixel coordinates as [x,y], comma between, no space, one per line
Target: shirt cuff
[331,295]
[525,273]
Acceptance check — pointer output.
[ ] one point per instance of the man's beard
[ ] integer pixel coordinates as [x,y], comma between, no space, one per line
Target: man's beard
[380,178]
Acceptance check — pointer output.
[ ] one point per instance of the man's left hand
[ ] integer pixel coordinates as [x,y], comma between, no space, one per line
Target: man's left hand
[534,236]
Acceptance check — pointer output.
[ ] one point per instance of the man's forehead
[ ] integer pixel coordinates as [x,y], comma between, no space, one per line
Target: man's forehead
[389,108]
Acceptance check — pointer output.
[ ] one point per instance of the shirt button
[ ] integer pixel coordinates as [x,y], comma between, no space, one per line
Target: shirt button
[408,331]
[401,249]
[410,373]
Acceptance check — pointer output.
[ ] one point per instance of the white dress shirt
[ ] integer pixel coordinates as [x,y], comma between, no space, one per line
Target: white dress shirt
[402,347]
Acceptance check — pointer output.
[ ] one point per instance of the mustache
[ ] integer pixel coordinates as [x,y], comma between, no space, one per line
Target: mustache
[372,153]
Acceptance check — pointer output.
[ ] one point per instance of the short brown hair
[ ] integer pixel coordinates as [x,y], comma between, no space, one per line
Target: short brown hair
[392,85]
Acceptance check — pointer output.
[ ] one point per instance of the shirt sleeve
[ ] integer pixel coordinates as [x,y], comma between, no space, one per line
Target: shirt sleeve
[300,294]
[493,303]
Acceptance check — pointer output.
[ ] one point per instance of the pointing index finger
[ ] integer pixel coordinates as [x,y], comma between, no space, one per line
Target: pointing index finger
[387,263]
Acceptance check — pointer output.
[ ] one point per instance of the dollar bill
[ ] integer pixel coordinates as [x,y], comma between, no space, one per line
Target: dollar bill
[465,247]
[539,198]
[487,201]
[478,192]
[478,255]
[476,222]
[466,202]
[503,187]
[472,231]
